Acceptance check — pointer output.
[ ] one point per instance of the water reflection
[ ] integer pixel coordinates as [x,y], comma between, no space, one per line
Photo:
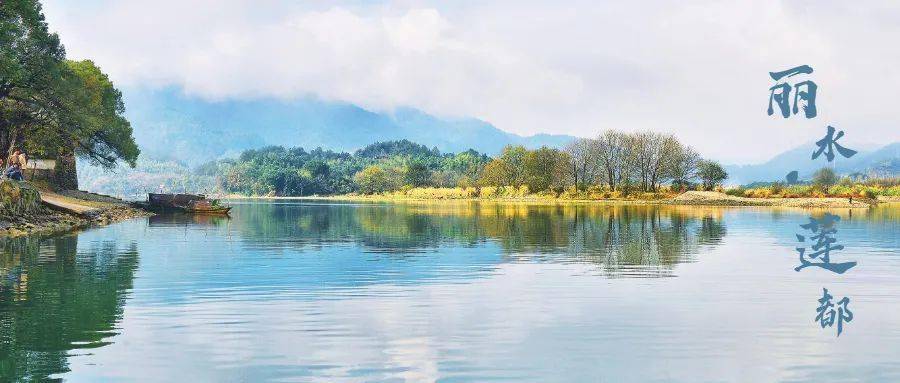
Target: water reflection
[56,299]
[183,219]
[451,291]
[618,238]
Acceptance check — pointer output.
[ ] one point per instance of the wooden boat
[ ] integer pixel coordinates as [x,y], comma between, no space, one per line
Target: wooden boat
[189,203]
[207,207]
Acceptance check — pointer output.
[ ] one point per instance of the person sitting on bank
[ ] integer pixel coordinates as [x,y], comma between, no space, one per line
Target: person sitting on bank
[16,163]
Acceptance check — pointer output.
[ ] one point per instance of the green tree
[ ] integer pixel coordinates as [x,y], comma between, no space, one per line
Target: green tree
[372,180]
[51,105]
[711,173]
[417,174]
[30,65]
[94,121]
[514,158]
[467,164]
[539,168]
[496,173]
[317,168]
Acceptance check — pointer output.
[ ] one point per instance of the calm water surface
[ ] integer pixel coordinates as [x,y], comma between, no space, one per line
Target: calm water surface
[340,292]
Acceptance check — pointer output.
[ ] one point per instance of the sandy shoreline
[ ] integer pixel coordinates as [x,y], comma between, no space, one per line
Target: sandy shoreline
[722,199]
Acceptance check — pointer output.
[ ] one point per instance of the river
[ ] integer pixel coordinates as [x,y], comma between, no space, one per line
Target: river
[459,291]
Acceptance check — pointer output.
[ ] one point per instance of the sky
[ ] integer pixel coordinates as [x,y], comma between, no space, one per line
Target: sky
[696,69]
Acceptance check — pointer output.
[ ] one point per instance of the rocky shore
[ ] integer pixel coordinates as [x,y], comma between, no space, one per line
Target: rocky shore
[22,212]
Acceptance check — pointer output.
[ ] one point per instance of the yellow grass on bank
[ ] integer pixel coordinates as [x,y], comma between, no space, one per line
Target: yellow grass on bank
[511,193]
[790,196]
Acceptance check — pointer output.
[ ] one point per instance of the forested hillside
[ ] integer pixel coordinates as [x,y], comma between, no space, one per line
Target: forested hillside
[618,162]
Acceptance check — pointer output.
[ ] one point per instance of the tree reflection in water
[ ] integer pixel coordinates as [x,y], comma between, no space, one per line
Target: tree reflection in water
[617,237]
[59,296]
[56,298]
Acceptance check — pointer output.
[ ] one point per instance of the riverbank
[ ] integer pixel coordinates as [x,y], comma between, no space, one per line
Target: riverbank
[82,210]
[709,198]
[690,198]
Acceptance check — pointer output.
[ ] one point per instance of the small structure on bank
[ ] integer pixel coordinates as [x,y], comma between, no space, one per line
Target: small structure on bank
[58,173]
[24,198]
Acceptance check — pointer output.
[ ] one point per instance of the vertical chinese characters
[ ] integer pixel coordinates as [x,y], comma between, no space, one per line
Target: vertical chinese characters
[829,143]
[826,313]
[804,92]
[823,241]
[823,231]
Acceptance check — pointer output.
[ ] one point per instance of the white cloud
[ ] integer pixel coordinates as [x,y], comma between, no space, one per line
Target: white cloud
[698,70]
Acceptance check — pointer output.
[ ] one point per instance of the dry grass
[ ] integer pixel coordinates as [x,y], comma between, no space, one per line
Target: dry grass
[814,191]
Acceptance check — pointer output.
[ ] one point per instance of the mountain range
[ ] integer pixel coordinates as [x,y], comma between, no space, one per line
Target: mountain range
[169,125]
[882,162]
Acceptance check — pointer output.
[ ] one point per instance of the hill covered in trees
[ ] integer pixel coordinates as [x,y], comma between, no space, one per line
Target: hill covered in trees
[616,162]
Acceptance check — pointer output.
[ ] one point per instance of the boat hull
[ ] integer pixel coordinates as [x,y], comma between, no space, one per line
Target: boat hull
[188,203]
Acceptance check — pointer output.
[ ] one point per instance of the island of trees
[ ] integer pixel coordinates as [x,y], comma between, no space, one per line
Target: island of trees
[614,163]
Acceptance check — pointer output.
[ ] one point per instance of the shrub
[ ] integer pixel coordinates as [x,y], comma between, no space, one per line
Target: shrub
[759,193]
[893,191]
[596,192]
[797,191]
[546,194]
[840,190]
[521,191]
[777,188]
[649,196]
[489,191]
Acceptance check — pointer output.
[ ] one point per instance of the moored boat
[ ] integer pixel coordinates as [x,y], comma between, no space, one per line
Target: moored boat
[190,203]
[207,207]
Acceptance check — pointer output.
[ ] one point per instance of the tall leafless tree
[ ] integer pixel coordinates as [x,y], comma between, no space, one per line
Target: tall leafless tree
[582,161]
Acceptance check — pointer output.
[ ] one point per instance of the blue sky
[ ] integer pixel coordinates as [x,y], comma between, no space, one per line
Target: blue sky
[696,69]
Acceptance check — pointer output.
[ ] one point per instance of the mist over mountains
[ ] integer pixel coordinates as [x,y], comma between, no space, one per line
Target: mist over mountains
[169,125]
[881,162]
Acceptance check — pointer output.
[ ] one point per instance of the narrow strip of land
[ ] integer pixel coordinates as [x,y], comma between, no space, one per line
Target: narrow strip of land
[722,199]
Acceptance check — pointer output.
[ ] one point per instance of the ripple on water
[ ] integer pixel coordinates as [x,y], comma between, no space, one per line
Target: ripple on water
[475,292]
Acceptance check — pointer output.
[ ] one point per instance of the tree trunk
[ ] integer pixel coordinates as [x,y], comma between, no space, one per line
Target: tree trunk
[575,174]
[65,174]
[584,174]
[13,141]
